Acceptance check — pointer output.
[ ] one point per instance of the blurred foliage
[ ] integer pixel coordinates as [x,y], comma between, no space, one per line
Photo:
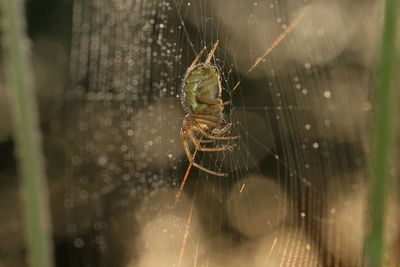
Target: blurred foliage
[382,139]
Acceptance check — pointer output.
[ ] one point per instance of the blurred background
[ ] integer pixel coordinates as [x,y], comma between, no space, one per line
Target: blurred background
[108,77]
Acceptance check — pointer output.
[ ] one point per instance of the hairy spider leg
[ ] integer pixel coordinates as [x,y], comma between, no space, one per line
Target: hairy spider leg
[210,118]
[215,111]
[205,141]
[206,117]
[209,100]
[191,157]
[209,136]
[208,123]
[195,141]
[194,63]
[209,57]
[221,131]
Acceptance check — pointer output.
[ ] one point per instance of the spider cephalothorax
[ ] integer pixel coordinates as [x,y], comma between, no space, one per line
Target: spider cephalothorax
[201,99]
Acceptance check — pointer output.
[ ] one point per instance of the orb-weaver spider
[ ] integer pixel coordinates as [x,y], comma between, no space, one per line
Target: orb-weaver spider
[201,99]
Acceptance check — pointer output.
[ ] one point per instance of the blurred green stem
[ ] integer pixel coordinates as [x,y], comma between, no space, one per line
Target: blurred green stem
[382,138]
[26,133]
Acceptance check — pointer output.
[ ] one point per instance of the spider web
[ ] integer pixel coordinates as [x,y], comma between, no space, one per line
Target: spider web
[295,194]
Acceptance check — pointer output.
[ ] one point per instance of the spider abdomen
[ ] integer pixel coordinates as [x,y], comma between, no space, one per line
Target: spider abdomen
[202,81]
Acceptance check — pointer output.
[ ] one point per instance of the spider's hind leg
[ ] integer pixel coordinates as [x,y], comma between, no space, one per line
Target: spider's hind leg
[196,59]
[209,57]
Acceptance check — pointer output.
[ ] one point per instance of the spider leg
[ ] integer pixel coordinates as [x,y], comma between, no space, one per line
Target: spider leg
[222,148]
[204,117]
[210,124]
[204,141]
[209,57]
[209,171]
[209,100]
[209,120]
[191,157]
[220,131]
[196,59]
[186,146]
[212,101]
[183,181]
[216,110]
[205,134]
[195,141]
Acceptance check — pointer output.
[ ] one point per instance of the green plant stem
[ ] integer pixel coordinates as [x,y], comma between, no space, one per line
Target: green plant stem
[382,138]
[26,133]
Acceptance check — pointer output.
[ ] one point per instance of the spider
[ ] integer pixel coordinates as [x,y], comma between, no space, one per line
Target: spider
[201,99]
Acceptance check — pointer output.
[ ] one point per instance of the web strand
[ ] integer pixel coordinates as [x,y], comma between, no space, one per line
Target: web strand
[277,41]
